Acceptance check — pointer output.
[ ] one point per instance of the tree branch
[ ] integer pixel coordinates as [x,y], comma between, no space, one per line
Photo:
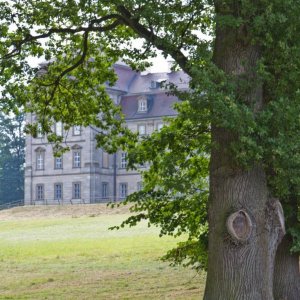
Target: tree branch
[158,42]
[91,28]
[56,83]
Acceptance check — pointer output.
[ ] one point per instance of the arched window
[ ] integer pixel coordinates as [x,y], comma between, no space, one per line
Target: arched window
[76,156]
[40,158]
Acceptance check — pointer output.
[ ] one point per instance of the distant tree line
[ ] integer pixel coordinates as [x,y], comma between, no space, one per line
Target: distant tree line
[12,158]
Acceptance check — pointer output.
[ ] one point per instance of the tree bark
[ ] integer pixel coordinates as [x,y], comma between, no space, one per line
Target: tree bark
[245,225]
[286,273]
[242,268]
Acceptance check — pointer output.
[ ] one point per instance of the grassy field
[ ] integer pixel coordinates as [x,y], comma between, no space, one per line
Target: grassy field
[68,253]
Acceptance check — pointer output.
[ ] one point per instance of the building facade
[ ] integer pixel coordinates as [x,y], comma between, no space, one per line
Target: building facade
[87,174]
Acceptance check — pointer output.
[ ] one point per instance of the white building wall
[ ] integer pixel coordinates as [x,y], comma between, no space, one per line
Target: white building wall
[92,173]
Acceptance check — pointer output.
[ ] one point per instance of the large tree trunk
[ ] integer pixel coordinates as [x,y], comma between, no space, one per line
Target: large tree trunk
[245,225]
[245,229]
[287,272]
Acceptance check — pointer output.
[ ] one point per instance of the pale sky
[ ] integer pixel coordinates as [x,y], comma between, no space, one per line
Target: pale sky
[160,64]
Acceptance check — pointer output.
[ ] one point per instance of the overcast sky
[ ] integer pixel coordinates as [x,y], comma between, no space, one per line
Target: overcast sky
[160,64]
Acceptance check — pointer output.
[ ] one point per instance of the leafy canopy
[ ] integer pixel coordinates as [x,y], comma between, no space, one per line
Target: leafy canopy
[81,40]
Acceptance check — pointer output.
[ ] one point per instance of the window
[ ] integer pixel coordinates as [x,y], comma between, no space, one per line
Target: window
[39,131]
[123,160]
[58,162]
[76,158]
[104,190]
[105,160]
[154,84]
[142,129]
[160,126]
[59,128]
[58,191]
[76,190]
[123,190]
[142,105]
[39,192]
[76,130]
[40,159]
[139,186]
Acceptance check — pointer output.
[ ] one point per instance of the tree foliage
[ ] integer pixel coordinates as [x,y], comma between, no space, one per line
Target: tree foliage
[82,39]
[175,186]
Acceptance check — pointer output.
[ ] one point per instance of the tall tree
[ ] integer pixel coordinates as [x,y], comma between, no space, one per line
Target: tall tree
[238,79]
[12,158]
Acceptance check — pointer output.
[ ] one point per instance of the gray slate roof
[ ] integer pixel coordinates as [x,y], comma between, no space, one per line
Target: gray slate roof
[160,105]
[131,85]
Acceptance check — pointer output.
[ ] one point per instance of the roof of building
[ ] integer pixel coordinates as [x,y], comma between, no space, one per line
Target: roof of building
[135,82]
[132,84]
[159,105]
[142,83]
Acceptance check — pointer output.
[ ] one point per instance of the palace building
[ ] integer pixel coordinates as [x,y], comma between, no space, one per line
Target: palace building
[87,174]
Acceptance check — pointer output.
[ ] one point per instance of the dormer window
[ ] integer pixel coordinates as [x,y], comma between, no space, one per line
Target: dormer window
[157,84]
[142,104]
[154,84]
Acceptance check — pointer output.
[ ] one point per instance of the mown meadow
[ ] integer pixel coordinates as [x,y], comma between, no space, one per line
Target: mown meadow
[67,253]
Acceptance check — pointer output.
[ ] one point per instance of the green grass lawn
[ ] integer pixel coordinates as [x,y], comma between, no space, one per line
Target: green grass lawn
[67,257]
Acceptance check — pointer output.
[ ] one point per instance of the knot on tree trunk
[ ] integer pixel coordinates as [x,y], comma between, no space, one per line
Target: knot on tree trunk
[275,216]
[239,226]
